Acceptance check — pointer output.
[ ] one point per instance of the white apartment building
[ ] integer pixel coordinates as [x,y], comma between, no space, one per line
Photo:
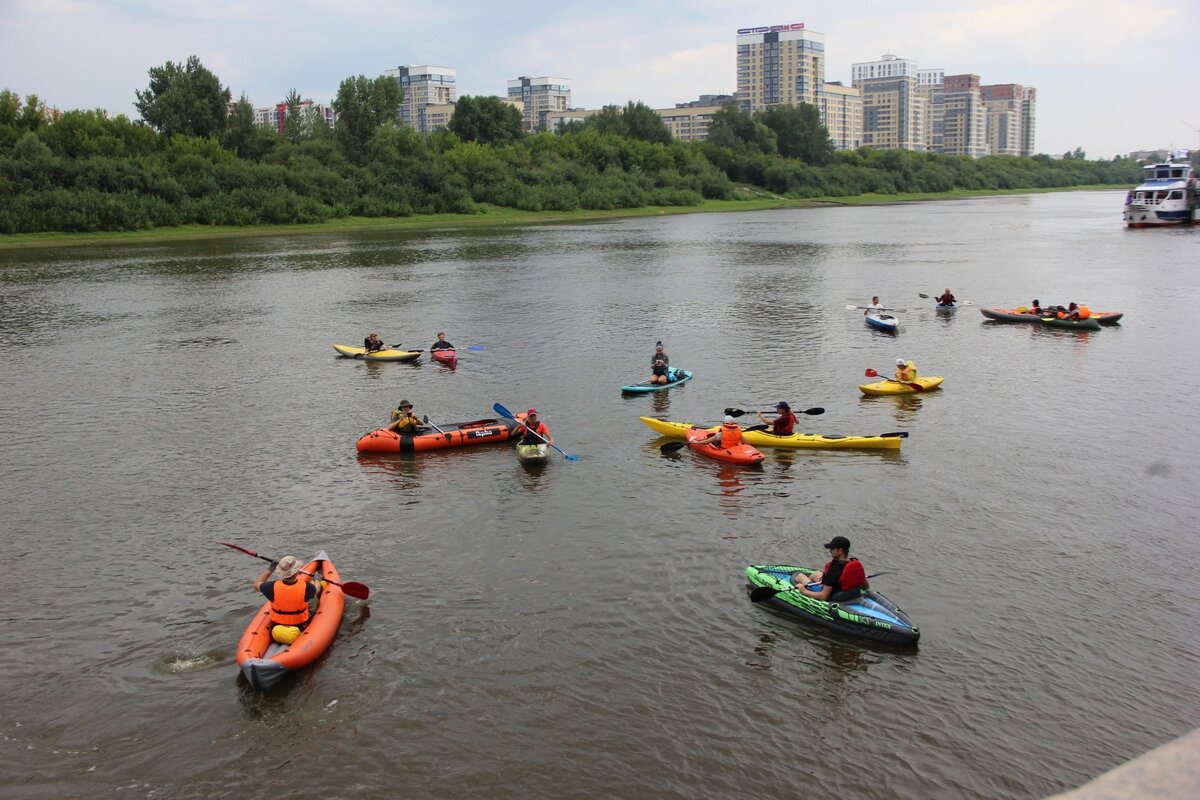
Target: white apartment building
[425,87]
[540,98]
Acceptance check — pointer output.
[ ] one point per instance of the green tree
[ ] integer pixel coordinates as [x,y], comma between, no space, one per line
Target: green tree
[184,98]
[799,132]
[294,118]
[740,132]
[487,120]
[362,105]
[239,127]
[643,122]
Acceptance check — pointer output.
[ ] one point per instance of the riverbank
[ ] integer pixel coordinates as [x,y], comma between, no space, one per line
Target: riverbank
[492,216]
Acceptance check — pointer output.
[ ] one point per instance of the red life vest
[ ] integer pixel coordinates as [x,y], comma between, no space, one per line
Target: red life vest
[1085,312]
[784,424]
[288,606]
[731,435]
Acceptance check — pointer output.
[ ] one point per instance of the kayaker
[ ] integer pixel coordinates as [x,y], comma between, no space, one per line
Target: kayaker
[727,436]
[660,372]
[785,423]
[289,595]
[947,298]
[405,420]
[373,343]
[441,343]
[842,573]
[906,371]
[532,425]
[1076,312]
[875,306]
[1035,308]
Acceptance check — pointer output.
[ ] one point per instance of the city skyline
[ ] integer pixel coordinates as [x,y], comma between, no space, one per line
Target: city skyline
[1079,55]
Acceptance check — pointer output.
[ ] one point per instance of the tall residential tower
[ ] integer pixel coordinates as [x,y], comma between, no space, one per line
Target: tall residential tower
[428,91]
[779,65]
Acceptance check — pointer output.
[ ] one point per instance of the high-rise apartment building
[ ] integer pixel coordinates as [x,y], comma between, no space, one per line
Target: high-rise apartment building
[541,98]
[841,114]
[965,117]
[930,83]
[1028,119]
[425,87]
[779,65]
[894,108]
[1003,103]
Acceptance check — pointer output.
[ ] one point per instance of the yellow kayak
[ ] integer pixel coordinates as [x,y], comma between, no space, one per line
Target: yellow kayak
[896,387]
[379,355]
[887,441]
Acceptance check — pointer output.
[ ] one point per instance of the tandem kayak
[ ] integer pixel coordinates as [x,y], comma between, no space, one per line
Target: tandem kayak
[675,378]
[884,441]
[446,355]
[1088,324]
[882,322]
[264,661]
[892,386]
[460,434]
[1016,315]
[871,615]
[379,355]
[533,453]
[740,453]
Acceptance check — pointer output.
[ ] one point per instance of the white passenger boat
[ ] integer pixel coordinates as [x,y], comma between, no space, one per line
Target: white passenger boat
[1167,195]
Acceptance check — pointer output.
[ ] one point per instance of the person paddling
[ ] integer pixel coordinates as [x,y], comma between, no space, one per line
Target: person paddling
[441,343]
[289,596]
[906,371]
[727,436]
[842,578]
[534,428]
[373,343]
[875,306]
[947,298]
[785,423]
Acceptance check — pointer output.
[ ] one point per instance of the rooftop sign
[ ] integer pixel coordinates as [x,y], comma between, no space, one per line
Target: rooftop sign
[795,26]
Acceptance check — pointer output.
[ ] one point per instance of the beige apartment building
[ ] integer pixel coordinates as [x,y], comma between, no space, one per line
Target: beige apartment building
[540,98]
[425,88]
[895,109]
[965,117]
[841,114]
[779,65]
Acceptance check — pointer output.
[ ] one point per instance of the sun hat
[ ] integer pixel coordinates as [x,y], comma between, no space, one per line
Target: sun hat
[899,362]
[288,567]
[404,404]
[840,542]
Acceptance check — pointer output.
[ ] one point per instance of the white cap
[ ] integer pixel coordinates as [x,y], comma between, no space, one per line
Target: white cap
[899,362]
[728,420]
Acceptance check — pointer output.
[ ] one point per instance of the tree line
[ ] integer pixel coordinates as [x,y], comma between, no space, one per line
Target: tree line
[196,157]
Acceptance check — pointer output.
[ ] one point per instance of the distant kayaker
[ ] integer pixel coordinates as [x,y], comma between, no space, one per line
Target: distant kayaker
[373,343]
[441,343]
[1035,308]
[727,436]
[841,574]
[289,595]
[875,306]
[785,423]
[1075,312]
[947,298]
[405,420]
[534,428]
[906,371]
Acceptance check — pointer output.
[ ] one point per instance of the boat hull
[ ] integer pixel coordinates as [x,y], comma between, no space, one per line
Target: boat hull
[1088,324]
[889,387]
[461,434]
[264,662]
[1013,315]
[361,354]
[812,441]
[742,454]
[533,454]
[678,377]
[882,322]
[872,616]
[446,356]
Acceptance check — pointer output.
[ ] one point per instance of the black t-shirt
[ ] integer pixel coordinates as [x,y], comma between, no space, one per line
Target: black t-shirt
[373,346]
[659,369]
[656,357]
[441,346]
[833,575]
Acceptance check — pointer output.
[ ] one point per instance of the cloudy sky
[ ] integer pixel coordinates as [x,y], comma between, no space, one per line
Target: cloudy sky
[1112,76]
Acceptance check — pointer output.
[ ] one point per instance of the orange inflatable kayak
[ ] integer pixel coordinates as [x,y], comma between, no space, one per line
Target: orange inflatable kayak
[461,434]
[741,453]
[264,661]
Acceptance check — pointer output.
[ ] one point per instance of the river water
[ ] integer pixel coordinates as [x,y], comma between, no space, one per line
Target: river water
[583,630]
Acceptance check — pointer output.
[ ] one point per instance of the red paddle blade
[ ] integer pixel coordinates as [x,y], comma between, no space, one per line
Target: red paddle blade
[871,373]
[356,589]
[242,549]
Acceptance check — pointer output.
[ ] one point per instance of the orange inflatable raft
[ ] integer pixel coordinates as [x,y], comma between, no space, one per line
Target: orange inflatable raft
[461,434]
[264,661]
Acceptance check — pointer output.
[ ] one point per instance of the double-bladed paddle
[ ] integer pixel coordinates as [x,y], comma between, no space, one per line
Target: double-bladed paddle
[737,412]
[916,387]
[504,412]
[868,308]
[761,593]
[937,297]
[352,588]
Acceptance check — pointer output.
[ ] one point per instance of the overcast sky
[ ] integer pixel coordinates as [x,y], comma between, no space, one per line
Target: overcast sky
[1111,76]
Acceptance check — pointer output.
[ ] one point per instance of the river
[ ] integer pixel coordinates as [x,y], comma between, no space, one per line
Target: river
[583,630]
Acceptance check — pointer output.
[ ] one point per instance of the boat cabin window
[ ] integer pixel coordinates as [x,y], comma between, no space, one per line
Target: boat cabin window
[1162,173]
[1177,173]
[1176,194]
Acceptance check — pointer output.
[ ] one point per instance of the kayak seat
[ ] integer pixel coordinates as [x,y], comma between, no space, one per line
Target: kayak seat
[847,596]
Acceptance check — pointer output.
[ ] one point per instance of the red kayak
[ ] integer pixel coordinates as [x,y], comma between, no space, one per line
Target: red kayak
[741,453]
[446,356]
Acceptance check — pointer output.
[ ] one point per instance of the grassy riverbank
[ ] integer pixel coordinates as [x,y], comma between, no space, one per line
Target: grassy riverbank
[490,216]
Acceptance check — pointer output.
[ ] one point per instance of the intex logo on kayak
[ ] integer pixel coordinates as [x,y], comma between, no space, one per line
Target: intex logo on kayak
[795,26]
[484,434]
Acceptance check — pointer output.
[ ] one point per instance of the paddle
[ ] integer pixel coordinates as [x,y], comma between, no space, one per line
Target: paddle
[504,412]
[956,302]
[386,347]
[766,592]
[868,308]
[352,588]
[475,347]
[425,419]
[672,447]
[737,412]
[916,387]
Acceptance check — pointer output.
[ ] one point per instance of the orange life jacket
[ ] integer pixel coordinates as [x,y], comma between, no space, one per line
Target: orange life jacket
[731,435]
[1084,312]
[288,606]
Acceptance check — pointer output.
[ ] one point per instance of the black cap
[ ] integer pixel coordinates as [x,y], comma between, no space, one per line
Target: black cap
[783,405]
[840,542]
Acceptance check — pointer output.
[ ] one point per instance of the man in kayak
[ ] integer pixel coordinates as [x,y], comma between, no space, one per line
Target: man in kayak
[533,428]
[785,423]
[842,574]
[947,298]
[373,343]
[727,436]
[441,343]
[406,420]
[906,371]
[1036,308]
[875,306]
[288,595]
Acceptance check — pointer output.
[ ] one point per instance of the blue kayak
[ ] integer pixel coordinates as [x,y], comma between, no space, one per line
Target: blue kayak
[674,378]
[883,322]
[946,308]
